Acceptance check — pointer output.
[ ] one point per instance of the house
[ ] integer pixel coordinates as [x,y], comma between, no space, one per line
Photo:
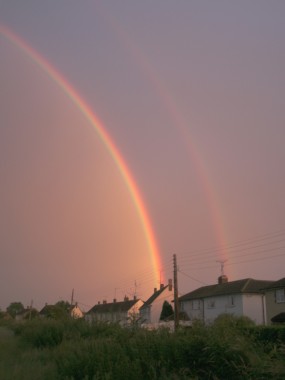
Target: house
[75,311]
[27,314]
[124,312]
[151,310]
[275,302]
[58,312]
[240,298]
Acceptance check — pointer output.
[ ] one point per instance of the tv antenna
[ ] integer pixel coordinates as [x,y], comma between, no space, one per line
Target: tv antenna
[222,262]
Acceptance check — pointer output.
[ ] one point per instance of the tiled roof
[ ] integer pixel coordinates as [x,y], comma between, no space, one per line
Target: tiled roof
[153,297]
[113,307]
[247,285]
[276,284]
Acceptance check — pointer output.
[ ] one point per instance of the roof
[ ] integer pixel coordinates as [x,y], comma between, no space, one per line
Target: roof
[114,307]
[152,298]
[247,285]
[47,309]
[276,284]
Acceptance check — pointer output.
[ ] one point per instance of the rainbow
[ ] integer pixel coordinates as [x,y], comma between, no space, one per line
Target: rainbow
[86,110]
[179,122]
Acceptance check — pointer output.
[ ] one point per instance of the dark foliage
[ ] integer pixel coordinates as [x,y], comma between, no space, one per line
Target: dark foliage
[231,348]
[167,311]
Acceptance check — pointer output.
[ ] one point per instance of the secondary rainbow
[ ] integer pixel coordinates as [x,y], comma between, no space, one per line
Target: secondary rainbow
[171,107]
[86,110]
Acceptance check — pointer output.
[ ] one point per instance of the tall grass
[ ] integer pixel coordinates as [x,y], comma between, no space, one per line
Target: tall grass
[76,350]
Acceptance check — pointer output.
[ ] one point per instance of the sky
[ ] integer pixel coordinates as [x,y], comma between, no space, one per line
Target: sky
[192,95]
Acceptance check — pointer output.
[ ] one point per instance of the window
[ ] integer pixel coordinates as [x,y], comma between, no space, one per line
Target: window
[211,304]
[231,301]
[280,295]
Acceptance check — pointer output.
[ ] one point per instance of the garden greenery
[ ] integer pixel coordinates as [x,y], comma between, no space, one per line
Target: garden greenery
[230,348]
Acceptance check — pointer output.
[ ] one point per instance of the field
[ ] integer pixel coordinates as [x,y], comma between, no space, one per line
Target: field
[231,348]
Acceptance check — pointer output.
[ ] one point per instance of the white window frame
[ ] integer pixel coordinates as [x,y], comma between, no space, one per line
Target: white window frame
[231,301]
[280,295]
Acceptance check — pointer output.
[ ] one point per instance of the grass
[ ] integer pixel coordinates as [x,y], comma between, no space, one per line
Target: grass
[231,348]
[18,361]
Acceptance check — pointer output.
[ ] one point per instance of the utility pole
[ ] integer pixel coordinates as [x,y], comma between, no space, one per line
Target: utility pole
[30,312]
[176,303]
[72,297]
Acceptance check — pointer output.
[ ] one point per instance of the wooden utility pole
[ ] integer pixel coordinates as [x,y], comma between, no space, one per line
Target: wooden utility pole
[72,297]
[176,303]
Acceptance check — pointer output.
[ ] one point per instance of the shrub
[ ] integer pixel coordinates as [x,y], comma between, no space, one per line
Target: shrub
[47,333]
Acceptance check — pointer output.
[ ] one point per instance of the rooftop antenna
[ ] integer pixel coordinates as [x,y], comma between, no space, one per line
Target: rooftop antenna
[115,292]
[222,262]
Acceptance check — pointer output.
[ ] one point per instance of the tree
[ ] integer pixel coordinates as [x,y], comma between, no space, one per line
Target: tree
[60,310]
[15,308]
[64,305]
[167,311]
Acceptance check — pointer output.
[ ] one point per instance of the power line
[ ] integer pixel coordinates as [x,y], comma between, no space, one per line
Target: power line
[192,278]
[233,245]
[238,256]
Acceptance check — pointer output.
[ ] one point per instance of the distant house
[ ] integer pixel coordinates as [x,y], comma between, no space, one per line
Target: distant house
[275,302]
[26,314]
[57,312]
[123,312]
[240,298]
[151,310]
[76,312]
[48,311]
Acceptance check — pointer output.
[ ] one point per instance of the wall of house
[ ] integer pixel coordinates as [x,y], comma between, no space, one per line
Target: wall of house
[272,307]
[134,312]
[145,314]
[215,306]
[123,317]
[156,307]
[194,309]
[76,312]
[253,307]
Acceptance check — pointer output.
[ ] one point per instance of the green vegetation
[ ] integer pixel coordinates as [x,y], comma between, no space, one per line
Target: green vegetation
[15,308]
[231,348]
[167,311]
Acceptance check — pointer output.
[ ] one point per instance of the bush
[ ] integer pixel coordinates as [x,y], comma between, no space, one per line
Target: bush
[229,348]
[47,333]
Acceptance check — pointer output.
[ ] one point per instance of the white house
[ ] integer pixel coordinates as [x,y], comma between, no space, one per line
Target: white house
[124,312]
[275,302]
[76,312]
[240,298]
[151,309]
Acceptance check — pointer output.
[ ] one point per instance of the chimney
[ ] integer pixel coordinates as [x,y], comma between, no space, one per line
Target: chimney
[223,279]
[99,302]
[114,300]
[170,285]
[155,290]
[126,299]
[135,298]
[104,302]
[161,286]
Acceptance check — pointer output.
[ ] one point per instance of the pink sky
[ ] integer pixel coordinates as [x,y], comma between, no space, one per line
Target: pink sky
[192,94]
